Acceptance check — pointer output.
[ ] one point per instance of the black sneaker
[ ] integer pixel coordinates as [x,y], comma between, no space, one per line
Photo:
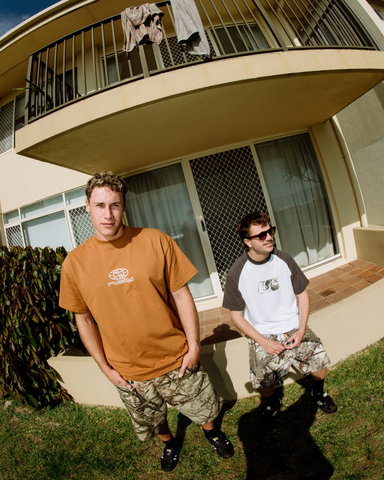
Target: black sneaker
[169,458]
[268,416]
[222,445]
[325,403]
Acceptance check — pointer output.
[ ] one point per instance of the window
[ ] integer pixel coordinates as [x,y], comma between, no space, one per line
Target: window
[51,90]
[298,197]
[6,127]
[19,112]
[241,38]
[160,199]
[11,119]
[336,24]
[128,64]
[379,13]
[53,222]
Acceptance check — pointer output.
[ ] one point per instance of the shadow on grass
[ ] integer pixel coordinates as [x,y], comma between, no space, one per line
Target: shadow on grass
[287,450]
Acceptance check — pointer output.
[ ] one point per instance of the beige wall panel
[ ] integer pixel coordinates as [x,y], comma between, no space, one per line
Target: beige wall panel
[370,244]
[362,122]
[342,191]
[23,180]
[369,164]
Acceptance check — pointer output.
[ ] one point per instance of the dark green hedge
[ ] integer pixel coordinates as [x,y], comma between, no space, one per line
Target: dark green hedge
[32,325]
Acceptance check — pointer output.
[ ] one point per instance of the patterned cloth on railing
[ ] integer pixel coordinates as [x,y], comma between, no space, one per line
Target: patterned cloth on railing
[189,28]
[141,24]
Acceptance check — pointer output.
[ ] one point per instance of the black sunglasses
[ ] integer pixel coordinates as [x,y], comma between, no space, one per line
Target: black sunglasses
[263,235]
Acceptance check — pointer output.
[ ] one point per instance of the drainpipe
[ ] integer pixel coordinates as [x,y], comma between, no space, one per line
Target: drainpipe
[351,170]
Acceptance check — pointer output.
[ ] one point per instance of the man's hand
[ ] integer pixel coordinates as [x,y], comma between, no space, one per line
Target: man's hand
[295,339]
[115,377]
[189,361]
[272,346]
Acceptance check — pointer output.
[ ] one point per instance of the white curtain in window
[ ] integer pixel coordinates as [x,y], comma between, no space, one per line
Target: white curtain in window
[111,69]
[250,38]
[296,189]
[159,199]
[50,231]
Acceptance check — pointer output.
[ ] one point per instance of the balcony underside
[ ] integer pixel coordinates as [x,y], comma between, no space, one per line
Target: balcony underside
[201,107]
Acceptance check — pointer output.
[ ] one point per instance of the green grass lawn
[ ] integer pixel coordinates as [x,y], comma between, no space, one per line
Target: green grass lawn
[83,442]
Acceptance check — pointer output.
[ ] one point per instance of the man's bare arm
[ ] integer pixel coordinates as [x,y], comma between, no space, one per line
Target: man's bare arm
[190,321]
[90,337]
[270,346]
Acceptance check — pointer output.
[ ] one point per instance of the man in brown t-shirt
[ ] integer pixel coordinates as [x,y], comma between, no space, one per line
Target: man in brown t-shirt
[133,283]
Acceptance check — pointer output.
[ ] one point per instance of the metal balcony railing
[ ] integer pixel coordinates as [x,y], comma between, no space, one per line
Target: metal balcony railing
[91,60]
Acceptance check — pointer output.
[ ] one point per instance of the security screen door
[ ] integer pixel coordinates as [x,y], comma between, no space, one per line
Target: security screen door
[160,199]
[228,187]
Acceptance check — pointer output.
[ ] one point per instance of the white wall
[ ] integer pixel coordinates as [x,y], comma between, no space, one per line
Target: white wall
[23,180]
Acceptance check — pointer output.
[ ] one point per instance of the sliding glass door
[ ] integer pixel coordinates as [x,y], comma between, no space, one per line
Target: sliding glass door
[297,193]
[159,199]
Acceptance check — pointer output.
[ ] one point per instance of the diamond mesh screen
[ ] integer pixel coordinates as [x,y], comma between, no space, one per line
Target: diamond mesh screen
[6,127]
[14,236]
[178,53]
[81,223]
[228,187]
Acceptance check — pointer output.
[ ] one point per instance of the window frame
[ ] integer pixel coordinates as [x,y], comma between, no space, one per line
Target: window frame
[65,207]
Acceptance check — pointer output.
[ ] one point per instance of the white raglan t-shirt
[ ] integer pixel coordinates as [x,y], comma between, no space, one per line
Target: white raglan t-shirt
[265,291]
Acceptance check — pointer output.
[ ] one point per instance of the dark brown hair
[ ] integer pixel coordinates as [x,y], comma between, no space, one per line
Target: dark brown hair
[255,218]
[106,179]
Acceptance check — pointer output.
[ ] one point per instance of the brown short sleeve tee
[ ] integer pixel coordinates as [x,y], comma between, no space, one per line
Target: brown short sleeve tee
[126,285]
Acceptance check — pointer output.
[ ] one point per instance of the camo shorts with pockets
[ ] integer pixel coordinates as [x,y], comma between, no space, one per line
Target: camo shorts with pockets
[192,395]
[268,370]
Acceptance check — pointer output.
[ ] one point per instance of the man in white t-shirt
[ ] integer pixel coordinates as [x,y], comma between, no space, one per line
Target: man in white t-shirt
[266,295]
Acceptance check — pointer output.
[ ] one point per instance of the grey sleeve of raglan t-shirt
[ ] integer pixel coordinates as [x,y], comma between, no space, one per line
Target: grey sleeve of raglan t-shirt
[233,300]
[298,279]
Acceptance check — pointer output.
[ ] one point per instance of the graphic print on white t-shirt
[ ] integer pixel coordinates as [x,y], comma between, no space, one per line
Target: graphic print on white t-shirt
[267,286]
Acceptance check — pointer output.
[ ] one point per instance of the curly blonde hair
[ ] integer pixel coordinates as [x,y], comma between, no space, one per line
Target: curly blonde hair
[106,179]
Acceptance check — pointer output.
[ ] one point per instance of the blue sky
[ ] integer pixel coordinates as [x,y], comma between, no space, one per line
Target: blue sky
[13,12]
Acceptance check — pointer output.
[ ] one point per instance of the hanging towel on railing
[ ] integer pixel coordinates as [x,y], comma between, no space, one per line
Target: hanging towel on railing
[141,24]
[189,28]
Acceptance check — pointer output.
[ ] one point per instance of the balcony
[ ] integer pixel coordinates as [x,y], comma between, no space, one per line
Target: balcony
[266,56]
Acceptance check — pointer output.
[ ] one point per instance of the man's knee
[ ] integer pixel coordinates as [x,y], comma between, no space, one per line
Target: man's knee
[266,392]
[320,374]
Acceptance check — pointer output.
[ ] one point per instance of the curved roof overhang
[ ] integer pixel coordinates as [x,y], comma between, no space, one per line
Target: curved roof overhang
[201,107]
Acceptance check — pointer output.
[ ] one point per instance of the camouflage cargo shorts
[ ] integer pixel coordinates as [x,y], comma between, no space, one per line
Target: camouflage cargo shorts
[192,395]
[268,370]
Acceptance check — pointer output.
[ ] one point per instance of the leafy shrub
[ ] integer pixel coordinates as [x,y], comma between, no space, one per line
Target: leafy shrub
[32,325]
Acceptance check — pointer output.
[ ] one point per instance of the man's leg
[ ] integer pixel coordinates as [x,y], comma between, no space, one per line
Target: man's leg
[148,412]
[323,400]
[172,447]
[218,440]
[266,371]
[311,358]
[165,434]
[194,396]
[272,409]
[319,375]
